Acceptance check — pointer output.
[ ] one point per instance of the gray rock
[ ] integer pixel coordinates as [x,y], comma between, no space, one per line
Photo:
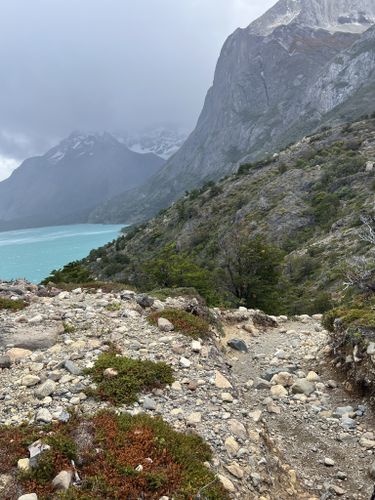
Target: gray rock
[149,403]
[72,367]
[371,470]
[303,386]
[44,416]
[238,345]
[165,325]
[5,362]
[46,389]
[144,300]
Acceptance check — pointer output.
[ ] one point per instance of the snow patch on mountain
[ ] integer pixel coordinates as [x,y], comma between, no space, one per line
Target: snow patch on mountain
[162,141]
[353,16]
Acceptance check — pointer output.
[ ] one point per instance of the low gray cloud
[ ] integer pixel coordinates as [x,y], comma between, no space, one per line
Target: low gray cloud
[107,64]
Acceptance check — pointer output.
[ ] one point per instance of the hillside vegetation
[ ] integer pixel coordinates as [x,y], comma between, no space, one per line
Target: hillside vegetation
[275,235]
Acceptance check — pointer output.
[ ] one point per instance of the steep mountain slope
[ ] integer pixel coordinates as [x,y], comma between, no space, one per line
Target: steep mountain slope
[282,77]
[307,201]
[65,184]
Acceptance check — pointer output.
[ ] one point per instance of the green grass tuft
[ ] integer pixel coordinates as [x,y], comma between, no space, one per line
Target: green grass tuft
[134,376]
[184,322]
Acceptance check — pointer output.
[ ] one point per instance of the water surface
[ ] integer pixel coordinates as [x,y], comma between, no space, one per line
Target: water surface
[34,253]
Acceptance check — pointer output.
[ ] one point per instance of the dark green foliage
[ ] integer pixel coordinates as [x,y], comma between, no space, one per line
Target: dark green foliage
[71,273]
[184,322]
[245,168]
[170,269]
[133,377]
[252,271]
[324,208]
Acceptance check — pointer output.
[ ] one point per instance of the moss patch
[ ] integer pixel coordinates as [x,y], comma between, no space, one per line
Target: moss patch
[129,457]
[12,305]
[350,318]
[184,322]
[134,376]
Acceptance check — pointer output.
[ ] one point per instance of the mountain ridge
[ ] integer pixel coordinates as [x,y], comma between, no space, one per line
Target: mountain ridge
[265,95]
[64,185]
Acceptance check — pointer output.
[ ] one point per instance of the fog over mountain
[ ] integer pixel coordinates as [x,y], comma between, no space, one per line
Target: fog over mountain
[116,66]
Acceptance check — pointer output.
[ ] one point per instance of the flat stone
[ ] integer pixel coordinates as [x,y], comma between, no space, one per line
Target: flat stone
[237,428]
[235,470]
[329,462]
[72,367]
[30,380]
[16,354]
[28,496]
[227,483]
[221,382]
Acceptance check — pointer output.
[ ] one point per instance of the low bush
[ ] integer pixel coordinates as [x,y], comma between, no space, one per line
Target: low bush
[133,376]
[12,305]
[173,464]
[184,322]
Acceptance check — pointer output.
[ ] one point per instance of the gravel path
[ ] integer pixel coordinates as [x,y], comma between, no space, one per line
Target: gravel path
[330,447]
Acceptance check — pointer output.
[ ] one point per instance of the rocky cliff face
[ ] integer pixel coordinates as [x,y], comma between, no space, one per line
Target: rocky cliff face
[65,184]
[280,78]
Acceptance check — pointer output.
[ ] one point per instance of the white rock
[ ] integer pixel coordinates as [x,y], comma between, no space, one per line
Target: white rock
[63,480]
[196,346]
[185,363]
[165,325]
[30,380]
[23,464]
[194,418]
[43,415]
[28,496]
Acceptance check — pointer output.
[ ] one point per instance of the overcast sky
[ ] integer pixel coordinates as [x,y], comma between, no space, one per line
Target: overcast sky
[111,65]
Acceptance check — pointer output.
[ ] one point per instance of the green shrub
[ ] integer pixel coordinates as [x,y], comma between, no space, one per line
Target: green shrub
[184,322]
[71,273]
[133,377]
[12,305]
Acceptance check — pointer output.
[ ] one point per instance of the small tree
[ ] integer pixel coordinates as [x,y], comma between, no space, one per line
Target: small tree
[252,271]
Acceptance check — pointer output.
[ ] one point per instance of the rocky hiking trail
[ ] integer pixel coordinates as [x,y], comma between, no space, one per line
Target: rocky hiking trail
[324,432]
[278,419]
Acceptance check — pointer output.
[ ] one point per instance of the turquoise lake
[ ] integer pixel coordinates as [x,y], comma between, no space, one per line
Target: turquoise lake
[34,253]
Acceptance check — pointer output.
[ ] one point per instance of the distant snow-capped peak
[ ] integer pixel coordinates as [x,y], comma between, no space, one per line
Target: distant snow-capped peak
[353,16]
[79,144]
[162,141]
